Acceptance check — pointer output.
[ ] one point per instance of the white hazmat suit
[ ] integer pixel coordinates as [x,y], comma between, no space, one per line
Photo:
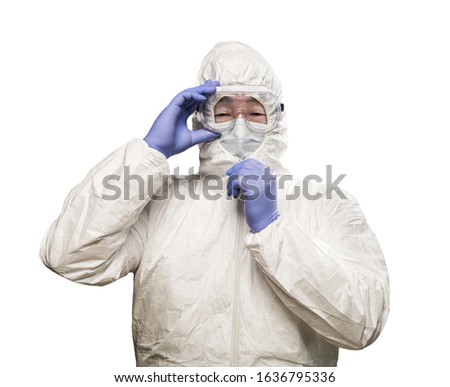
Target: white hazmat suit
[207,290]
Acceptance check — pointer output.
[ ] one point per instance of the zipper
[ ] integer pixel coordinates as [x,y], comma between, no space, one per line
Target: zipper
[236,291]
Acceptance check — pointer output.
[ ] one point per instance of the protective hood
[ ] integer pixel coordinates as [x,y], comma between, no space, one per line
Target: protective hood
[234,63]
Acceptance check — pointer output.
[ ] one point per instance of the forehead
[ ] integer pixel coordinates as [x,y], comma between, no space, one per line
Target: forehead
[238,100]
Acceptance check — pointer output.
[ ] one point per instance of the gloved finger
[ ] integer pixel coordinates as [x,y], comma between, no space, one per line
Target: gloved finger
[179,104]
[230,184]
[186,97]
[236,186]
[234,168]
[206,88]
[190,99]
[188,109]
[209,87]
[209,81]
[242,170]
[247,166]
[238,167]
[202,135]
[202,89]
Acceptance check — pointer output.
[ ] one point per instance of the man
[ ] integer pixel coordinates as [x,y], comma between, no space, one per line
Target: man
[255,275]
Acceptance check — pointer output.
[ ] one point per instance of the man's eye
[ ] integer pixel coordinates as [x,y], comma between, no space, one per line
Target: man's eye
[222,117]
[258,114]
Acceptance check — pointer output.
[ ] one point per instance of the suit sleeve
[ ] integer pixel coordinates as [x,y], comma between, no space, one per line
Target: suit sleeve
[101,232]
[330,273]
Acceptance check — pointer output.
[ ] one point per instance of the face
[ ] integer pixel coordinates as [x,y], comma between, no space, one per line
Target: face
[231,107]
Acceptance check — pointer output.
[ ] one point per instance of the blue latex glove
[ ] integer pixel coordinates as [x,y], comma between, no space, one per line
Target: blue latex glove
[252,179]
[169,133]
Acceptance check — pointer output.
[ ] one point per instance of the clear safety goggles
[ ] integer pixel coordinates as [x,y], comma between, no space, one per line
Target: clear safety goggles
[257,105]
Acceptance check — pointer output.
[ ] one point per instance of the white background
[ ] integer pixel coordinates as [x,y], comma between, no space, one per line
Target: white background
[366,88]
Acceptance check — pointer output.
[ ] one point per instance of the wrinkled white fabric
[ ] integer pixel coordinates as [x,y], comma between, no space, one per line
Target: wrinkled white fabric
[207,291]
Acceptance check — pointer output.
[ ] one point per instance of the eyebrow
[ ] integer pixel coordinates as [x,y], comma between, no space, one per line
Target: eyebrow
[231,99]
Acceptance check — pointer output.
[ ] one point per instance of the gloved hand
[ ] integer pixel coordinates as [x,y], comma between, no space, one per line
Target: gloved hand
[169,133]
[258,188]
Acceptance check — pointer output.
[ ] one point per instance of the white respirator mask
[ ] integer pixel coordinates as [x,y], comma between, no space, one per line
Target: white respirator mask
[241,141]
